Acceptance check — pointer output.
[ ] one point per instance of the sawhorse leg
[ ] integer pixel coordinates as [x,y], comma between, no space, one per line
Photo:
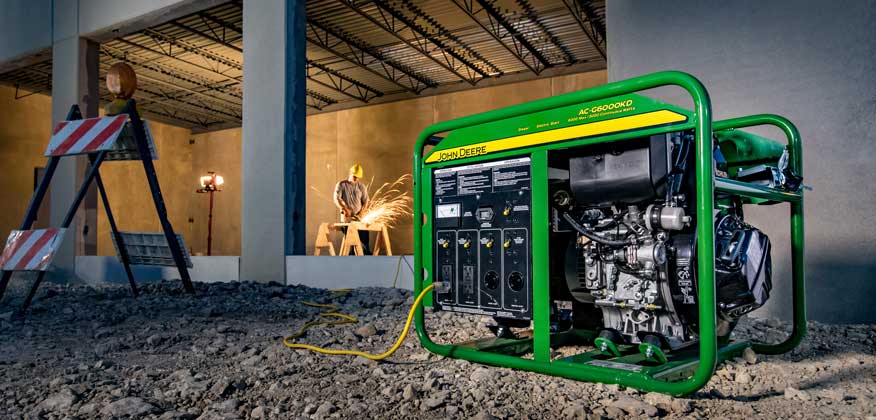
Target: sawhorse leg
[323,240]
[68,218]
[38,196]
[152,178]
[32,211]
[120,243]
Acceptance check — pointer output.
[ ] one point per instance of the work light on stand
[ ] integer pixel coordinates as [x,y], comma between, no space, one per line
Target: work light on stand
[210,183]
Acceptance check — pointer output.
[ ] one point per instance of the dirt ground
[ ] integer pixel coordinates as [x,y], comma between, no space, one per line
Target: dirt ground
[86,352]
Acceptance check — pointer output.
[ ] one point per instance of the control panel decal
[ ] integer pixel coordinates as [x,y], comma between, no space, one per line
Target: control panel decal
[482,224]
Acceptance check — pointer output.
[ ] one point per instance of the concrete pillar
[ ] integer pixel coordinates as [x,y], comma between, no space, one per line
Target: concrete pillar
[272,213]
[75,73]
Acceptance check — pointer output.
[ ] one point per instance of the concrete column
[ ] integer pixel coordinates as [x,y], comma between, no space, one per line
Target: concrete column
[272,213]
[74,81]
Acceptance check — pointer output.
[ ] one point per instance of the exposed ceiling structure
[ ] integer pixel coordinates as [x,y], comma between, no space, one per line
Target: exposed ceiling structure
[359,52]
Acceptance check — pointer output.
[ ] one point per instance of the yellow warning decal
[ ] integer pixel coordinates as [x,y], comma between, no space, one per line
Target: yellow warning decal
[632,122]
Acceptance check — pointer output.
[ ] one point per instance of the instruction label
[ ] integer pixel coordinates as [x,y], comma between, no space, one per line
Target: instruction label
[480,178]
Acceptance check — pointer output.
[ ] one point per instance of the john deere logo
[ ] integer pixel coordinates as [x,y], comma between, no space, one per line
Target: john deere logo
[462,152]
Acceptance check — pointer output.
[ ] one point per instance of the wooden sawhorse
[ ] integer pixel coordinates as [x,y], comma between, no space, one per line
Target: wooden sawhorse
[351,238]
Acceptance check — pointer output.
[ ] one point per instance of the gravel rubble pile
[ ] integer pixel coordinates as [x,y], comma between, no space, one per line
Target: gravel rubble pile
[95,352]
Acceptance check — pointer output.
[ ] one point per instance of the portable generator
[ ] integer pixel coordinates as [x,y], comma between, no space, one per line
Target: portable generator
[607,219]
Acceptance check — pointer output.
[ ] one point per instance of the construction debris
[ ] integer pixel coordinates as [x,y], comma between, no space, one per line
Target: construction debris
[91,352]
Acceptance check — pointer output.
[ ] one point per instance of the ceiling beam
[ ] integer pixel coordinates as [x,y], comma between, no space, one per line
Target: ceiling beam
[117,54]
[169,118]
[521,48]
[223,23]
[187,106]
[234,108]
[159,36]
[394,22]
[509,78]
[341,83]
[364,56]
[586,17]
[550,38]
[428,22]
[319,101]
[186,62]
[207,36]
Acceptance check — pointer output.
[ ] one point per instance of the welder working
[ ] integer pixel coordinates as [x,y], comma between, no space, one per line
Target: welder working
[351,198]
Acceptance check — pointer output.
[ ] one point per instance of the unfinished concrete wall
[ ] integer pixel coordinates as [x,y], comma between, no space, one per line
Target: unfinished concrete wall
[25,128]
[771,57]
[323,172]
[219,152]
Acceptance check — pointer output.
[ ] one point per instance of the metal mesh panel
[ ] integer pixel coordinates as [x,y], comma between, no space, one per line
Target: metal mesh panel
[151,248]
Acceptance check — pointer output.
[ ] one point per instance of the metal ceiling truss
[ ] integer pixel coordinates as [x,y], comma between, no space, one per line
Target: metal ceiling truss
[205,85]
[160,96]
[428,37]
[169,54]
[225,25]
[365,57]
[218,39]
[190,68]
[337,81]
[549,38]
[587,18]
[231,110]
[158,110]
[503,31]
[319,101]
[209,56]
[342,84]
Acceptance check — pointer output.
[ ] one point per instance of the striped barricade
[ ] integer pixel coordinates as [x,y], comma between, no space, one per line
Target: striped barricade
[113,134]
[31,250]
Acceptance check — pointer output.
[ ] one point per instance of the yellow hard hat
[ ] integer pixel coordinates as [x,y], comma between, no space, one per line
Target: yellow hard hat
[356,170]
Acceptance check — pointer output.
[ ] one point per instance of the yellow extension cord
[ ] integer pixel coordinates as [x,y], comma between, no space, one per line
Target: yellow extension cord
[347,319]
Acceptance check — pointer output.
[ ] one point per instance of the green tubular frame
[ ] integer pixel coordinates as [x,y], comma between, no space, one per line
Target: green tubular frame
[706,186]
[795,150]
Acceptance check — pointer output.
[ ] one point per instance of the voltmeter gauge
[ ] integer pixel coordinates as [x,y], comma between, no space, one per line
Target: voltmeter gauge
[447,210]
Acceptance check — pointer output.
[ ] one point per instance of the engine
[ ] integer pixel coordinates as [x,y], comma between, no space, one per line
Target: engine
[626,212]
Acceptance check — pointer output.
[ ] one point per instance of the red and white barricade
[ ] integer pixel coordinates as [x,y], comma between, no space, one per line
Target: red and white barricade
[113,134]
[31,250]
[116,137]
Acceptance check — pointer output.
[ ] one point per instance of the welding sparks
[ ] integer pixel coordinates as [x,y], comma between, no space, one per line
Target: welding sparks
[388,204]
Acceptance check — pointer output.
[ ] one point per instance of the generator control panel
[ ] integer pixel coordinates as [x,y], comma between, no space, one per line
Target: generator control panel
[482,231]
